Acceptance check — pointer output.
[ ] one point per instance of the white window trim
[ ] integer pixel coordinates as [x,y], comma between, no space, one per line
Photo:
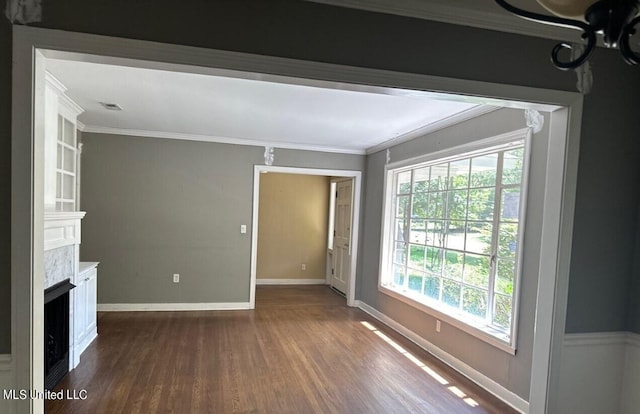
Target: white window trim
[468,325]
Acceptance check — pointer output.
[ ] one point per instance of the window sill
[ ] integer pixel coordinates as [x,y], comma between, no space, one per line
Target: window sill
[473,328]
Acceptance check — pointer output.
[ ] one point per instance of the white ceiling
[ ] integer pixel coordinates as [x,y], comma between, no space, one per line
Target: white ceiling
[183,105]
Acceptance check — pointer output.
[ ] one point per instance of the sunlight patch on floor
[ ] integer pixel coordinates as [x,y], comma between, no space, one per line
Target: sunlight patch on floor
[433,374]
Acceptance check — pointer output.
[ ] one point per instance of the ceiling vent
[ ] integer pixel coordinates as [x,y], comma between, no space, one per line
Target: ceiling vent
[111,106]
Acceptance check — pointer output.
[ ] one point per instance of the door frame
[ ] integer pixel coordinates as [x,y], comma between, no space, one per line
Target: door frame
[27,180]
[356,176]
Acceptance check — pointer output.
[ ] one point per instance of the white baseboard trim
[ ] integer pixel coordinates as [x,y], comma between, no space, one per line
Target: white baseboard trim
[322,281]
[134,307]
[479,378]
[6,383]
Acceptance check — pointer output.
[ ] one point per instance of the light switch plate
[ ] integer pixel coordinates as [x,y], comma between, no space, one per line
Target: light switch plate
[243,228]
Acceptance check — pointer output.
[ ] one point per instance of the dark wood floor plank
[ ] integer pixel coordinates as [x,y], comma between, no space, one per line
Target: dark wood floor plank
[302,350]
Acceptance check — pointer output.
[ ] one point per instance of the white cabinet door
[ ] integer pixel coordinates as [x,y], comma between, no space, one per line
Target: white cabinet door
[85,317]
[91,288]
[80,312]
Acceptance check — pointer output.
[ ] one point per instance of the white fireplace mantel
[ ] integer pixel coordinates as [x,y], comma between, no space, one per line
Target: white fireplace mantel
[62,228]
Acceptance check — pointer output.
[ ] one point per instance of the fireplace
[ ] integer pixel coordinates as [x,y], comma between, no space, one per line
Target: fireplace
[56,333]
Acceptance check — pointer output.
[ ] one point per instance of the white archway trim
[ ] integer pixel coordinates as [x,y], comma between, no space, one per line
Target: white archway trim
[27,177]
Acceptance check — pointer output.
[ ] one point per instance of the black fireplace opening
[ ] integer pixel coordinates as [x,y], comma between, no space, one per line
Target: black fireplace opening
[56,333]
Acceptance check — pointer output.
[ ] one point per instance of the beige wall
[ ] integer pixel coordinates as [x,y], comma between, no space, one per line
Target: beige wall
[292,226]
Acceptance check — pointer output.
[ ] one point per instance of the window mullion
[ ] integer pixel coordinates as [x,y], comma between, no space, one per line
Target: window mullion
[407,233]
[495,239]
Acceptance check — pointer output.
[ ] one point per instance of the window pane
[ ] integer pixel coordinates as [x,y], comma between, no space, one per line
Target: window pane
[483,170]
[457,204]
[512,166]
[474,301]
[502,311]
[510,204]
[433,260]
[479,237]
[404,182]
[59,157]
[416,256]
[398,275]
[481,204]
[439,174]
[400,254]
[415,281]
[69,160]
[420,205]
[59,186]
[69,133]
[451,293]
[459,174]
[505,276]
[455,231]
[508,240]
[435,208]
[476,270]
[435,233]
[400,230]
[67,206]
[67,186]
[453,264]
[421,180]
[432,286]
[417,232]
[402,208]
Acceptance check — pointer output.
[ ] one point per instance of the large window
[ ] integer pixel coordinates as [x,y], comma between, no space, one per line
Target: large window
[453,230]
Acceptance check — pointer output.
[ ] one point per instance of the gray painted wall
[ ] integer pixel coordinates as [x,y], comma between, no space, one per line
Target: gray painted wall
[296,29]
[158,206]
[633,316]
[5,184]
[513,372]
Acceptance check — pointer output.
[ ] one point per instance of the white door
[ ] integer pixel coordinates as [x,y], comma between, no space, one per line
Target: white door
[342,237]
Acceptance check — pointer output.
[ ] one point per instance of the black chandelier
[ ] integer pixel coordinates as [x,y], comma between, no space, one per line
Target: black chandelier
[614,19]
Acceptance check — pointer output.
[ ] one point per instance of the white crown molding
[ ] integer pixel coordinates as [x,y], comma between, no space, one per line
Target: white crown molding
[54,83]
[449,12]
[418,132]
[436,126]
[59,88]
[477,377]
[211,138]
[291,281]
[152,307]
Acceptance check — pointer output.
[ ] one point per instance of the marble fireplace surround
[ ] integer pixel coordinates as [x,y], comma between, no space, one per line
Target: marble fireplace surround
[62,232]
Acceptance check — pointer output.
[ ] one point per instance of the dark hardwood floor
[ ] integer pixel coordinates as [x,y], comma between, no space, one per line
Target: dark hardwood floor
[302,350]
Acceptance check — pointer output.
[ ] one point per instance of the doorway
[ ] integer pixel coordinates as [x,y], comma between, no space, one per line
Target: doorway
[350,208]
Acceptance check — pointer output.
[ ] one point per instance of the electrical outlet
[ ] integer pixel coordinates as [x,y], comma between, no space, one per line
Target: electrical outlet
[176,278]
[437,326]
[304,266]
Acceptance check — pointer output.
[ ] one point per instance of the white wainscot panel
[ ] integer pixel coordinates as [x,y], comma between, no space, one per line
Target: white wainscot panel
[6,384]
[591,373]
[631,377]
